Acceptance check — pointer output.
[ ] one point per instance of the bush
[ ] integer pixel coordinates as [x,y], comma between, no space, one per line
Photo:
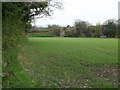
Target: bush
[13,37]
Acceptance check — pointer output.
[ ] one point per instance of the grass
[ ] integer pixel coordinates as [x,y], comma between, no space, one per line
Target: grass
[70,62]
[20,78]
[0,67]
[44,34]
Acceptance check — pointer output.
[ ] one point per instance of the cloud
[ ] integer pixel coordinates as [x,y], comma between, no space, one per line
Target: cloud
[22,0]
[93,11]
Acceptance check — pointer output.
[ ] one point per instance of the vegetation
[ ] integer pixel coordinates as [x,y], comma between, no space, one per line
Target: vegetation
[84,29]
[55,62]
[15,30]
[16,19]
[71,62]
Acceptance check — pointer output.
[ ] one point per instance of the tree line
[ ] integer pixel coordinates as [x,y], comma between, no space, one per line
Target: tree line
[109,29]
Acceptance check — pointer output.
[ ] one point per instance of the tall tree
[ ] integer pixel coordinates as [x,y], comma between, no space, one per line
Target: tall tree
[23,13]
[111,28]
[98,30]
[81,27]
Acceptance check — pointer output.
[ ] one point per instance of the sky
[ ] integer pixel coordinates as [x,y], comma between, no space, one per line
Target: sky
[93,11]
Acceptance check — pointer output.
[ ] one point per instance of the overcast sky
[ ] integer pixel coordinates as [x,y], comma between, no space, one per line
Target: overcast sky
[93,11]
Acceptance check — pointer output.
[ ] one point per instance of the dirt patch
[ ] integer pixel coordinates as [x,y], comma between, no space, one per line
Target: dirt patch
[106,72]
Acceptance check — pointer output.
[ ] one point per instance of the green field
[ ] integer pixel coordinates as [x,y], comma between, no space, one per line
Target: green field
[70,62]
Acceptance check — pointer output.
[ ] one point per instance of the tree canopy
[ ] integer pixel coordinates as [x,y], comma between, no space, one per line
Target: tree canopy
[17,16]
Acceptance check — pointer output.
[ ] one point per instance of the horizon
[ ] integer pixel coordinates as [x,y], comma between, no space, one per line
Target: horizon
[81,10]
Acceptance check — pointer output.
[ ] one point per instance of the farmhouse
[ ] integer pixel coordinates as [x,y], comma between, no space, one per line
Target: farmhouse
[62,34]
[67,31]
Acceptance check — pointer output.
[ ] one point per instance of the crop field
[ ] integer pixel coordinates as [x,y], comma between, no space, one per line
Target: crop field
[70,62]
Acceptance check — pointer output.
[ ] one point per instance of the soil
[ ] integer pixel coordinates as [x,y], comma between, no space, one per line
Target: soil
[106,72]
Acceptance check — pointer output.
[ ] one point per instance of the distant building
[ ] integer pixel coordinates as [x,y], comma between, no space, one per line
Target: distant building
[62,33]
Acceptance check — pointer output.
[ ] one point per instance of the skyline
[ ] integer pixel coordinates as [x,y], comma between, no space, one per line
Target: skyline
[93,11]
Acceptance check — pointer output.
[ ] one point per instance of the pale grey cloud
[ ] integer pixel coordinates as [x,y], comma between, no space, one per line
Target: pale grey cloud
[94,11]
[23,0]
